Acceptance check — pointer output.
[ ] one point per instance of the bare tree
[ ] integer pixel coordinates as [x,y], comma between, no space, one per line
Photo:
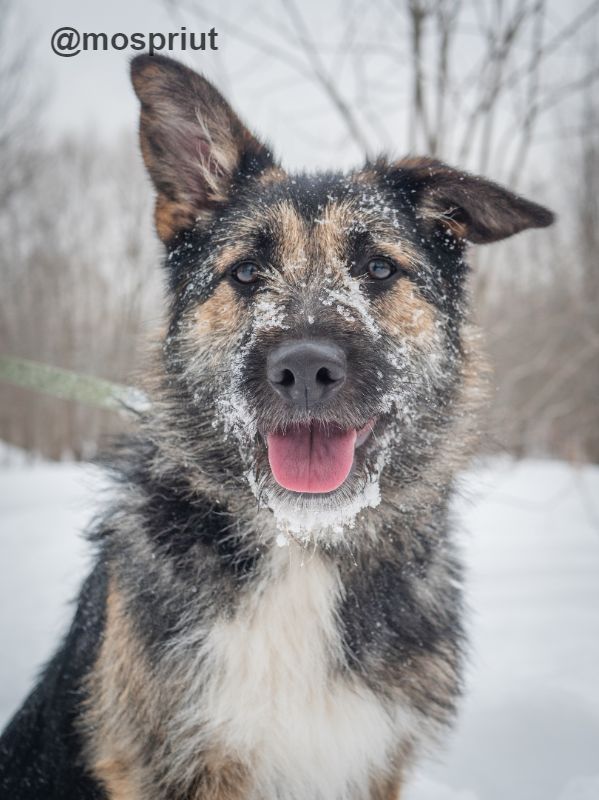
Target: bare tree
[20,106]
[544,338]
[481,75]
[482,84]
[79,263]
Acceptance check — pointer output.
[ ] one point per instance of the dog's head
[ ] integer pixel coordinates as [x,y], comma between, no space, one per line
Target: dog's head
[316,348]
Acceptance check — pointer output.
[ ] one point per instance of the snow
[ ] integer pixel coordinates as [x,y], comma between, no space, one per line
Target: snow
[43,559]
[348,299]
[269,315]
[529,725]
[310,526]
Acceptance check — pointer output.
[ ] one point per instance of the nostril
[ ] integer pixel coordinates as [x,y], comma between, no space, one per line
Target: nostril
[287,378]
[306,372]
[324,377]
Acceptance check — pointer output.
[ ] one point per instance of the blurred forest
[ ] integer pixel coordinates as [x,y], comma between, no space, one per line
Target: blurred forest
[478,84]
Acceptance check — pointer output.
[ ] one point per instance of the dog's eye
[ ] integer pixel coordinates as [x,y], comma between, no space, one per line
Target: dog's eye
[380,269]
[247,272]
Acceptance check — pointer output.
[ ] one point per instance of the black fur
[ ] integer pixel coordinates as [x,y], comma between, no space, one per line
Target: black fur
[41,749]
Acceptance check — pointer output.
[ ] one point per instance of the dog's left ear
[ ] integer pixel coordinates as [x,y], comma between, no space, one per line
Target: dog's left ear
[470,207]
[193,144]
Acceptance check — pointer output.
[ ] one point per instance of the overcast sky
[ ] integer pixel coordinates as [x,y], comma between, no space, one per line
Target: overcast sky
[92,88]
[91,91]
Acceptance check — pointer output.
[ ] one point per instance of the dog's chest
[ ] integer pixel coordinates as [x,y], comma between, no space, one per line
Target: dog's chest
[276,700]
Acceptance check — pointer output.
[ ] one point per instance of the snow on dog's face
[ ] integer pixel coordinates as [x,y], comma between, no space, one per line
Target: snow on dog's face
[316,349]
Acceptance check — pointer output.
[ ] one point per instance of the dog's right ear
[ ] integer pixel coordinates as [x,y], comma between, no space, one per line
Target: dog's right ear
[193,144]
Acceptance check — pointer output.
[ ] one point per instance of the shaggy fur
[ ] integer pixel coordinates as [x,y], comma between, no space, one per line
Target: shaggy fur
[237,639]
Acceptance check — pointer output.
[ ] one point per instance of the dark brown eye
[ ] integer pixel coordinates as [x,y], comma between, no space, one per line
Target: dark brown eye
[380,269]
[245,273]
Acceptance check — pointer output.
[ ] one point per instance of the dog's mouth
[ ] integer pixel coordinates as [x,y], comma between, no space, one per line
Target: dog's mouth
[314,457]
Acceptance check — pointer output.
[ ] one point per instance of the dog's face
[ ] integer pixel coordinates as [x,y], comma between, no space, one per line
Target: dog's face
[316,345]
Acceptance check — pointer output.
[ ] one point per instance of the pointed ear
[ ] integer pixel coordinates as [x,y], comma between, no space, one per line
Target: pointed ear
[470,207]
[193,144]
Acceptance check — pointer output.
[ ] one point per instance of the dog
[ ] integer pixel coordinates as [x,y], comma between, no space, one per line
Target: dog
[275,610]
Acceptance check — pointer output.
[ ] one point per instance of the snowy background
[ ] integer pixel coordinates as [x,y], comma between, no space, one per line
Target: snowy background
[529,727]
[81,290]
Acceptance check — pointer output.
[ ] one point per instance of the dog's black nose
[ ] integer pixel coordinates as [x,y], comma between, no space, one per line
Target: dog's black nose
[306,372]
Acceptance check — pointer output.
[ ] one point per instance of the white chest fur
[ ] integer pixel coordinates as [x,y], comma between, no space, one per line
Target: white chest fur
[274,701]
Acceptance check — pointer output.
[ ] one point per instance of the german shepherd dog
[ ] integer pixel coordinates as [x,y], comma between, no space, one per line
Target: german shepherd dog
[275,610]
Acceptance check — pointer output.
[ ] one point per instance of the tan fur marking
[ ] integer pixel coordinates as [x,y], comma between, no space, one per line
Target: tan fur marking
[365,176]
[230,255]
[272,175]
[292,237]
[219,316]
[146,78]
[387,785]
[385,789]
[429,207]
[332,236]
[331,232]
[416,162]
[114,775]
[403,311]
[457,229]
[171,217]
[402,253]
[221,780]
[126,712]
[118,684]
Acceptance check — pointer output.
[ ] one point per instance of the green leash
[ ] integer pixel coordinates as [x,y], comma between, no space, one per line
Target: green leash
[72,385]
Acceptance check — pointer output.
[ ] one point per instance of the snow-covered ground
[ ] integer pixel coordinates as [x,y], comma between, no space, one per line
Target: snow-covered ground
[529,728]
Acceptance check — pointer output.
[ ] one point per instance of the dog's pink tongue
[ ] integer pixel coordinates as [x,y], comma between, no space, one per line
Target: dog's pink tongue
[311,458]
